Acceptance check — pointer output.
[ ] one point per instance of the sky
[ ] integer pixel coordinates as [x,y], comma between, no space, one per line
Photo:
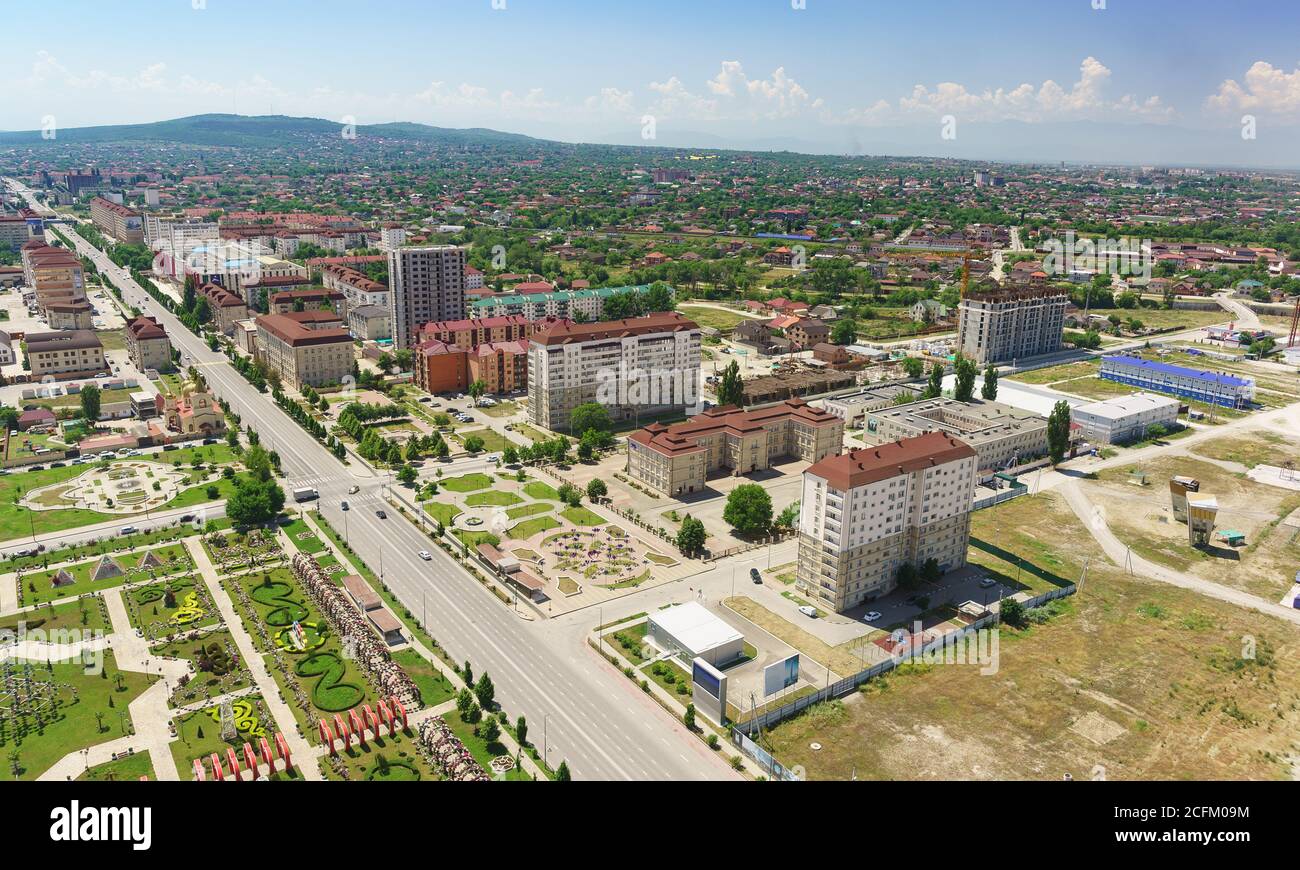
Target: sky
[1151,77]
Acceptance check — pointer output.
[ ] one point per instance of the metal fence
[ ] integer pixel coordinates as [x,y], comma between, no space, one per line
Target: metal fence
[742,733]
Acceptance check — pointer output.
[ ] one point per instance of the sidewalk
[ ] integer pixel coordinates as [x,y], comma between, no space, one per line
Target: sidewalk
[285,722]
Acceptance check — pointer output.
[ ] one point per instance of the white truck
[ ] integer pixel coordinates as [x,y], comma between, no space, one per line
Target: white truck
[305,493]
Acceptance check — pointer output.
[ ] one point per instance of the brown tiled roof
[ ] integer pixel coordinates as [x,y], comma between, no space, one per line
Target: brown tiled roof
[288,329]
[566,332]
[683,437]
[69,339]
[871,464]
[144,328]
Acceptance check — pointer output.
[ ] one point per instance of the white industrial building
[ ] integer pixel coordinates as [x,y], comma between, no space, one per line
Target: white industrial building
[1125,418]
[689,631]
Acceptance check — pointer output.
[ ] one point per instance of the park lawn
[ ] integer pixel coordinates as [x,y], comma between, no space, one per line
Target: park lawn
[581,516]
[473,539]
[492,497]
[442,512]
[77,726]
[1053,374]
[671,677]
[528,528]
[538,490]
[84,614]
[493,441]
[127,769]
[308,543]
[199,735]
[466,482]
[434,687]
[106,397]
[1167,318]
[81,573]
[151,604]
[713,317]
[482,751]
[402,760]
[531,432]
[528,510]
[204,685]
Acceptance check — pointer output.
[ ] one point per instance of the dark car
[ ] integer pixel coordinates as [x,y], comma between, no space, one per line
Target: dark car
[380,513]
[755,576]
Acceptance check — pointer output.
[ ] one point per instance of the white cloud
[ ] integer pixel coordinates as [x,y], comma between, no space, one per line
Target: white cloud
[1267,89]
[1085,99]
[733,95]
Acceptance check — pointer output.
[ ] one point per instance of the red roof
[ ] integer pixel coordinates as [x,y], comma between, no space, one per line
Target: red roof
[565,332]
[872,464]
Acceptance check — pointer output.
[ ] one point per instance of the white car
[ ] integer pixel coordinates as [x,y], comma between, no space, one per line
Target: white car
[425,555]
[871,616]
[808,610]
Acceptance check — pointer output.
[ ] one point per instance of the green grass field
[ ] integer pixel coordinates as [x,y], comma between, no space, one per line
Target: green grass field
[466,482]
[38,587]
[492,497]
[442,511]
[581,516]
[538,490]
[528,528]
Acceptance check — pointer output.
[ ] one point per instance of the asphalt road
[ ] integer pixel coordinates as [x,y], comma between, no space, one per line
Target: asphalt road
[580,708]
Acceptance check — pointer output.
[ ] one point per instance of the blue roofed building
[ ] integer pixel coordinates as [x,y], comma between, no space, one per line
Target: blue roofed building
[1201,385]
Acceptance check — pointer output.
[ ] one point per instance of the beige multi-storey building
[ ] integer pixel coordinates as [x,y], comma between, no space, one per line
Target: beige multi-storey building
[638,366]
[147,345]
[122,223]
[73,353]
[1003,436]
[678,459]
[866,513]
[1012,323]
[425,283]
[305,347]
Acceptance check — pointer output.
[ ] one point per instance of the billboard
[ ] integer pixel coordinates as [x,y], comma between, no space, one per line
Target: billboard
[709,692]
[781,675]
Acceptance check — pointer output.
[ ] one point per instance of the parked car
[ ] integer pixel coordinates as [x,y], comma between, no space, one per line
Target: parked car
[808,610]
[352,490]
[755,576]
[987,582]
[381,514]
[871,616]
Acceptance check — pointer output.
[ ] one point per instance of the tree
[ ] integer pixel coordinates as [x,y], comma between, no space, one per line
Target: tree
[562,772]
[254,501]
[1058,431]
[521,731]
[845,331]
[691,536]
[585,451]
[749,509]
[906,576]
[473,443]
[596,489]
[731,389]
[588,416]
[1156,431]
[989,392]
[788,517]
[90,400]
[258,462]
[934,387]
[930,571]
[406,474]
[688,719]
[1012,612]
[510,455]
[964,389]
[913,366]
[476,390]
[9,419]
[485,692]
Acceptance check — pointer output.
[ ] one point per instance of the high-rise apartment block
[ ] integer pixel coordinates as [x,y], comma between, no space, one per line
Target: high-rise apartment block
[1011,323]
[425,283]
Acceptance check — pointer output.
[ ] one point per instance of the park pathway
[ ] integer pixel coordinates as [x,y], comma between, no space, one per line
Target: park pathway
[285,722]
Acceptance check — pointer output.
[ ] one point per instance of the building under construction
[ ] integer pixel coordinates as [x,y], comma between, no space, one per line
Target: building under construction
[1011,323]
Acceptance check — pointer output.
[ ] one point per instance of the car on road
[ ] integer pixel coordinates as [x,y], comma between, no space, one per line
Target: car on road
[871,616]
[912,599]
[808,610]
[988,582]
[354,489]
[344,506]
[381,514]
[128,530]
[755,575]
[425,555]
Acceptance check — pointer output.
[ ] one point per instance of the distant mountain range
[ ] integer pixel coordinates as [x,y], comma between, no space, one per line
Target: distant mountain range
[267,131]
[1007,142]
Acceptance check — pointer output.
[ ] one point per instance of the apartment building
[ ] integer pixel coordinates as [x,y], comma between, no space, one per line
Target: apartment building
[307,298]
[370,322]
[74,314]
[474,331]
[1003,436]
[441,367]
[573,304]
[147,345]
[122,223]
[227,308]
[637,366]
[357,289]
[73,353]
[54,272]
[1007,324]
[866,513]
[678,459]
[305,347]
[425,284]
[17,230]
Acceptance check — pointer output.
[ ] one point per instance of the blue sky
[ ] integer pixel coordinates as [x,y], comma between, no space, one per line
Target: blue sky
[578,69]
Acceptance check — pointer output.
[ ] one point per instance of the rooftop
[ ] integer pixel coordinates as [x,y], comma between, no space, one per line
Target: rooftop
[1121,406]
[872,464]
[564,332]
[1151,365]
[695,627]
